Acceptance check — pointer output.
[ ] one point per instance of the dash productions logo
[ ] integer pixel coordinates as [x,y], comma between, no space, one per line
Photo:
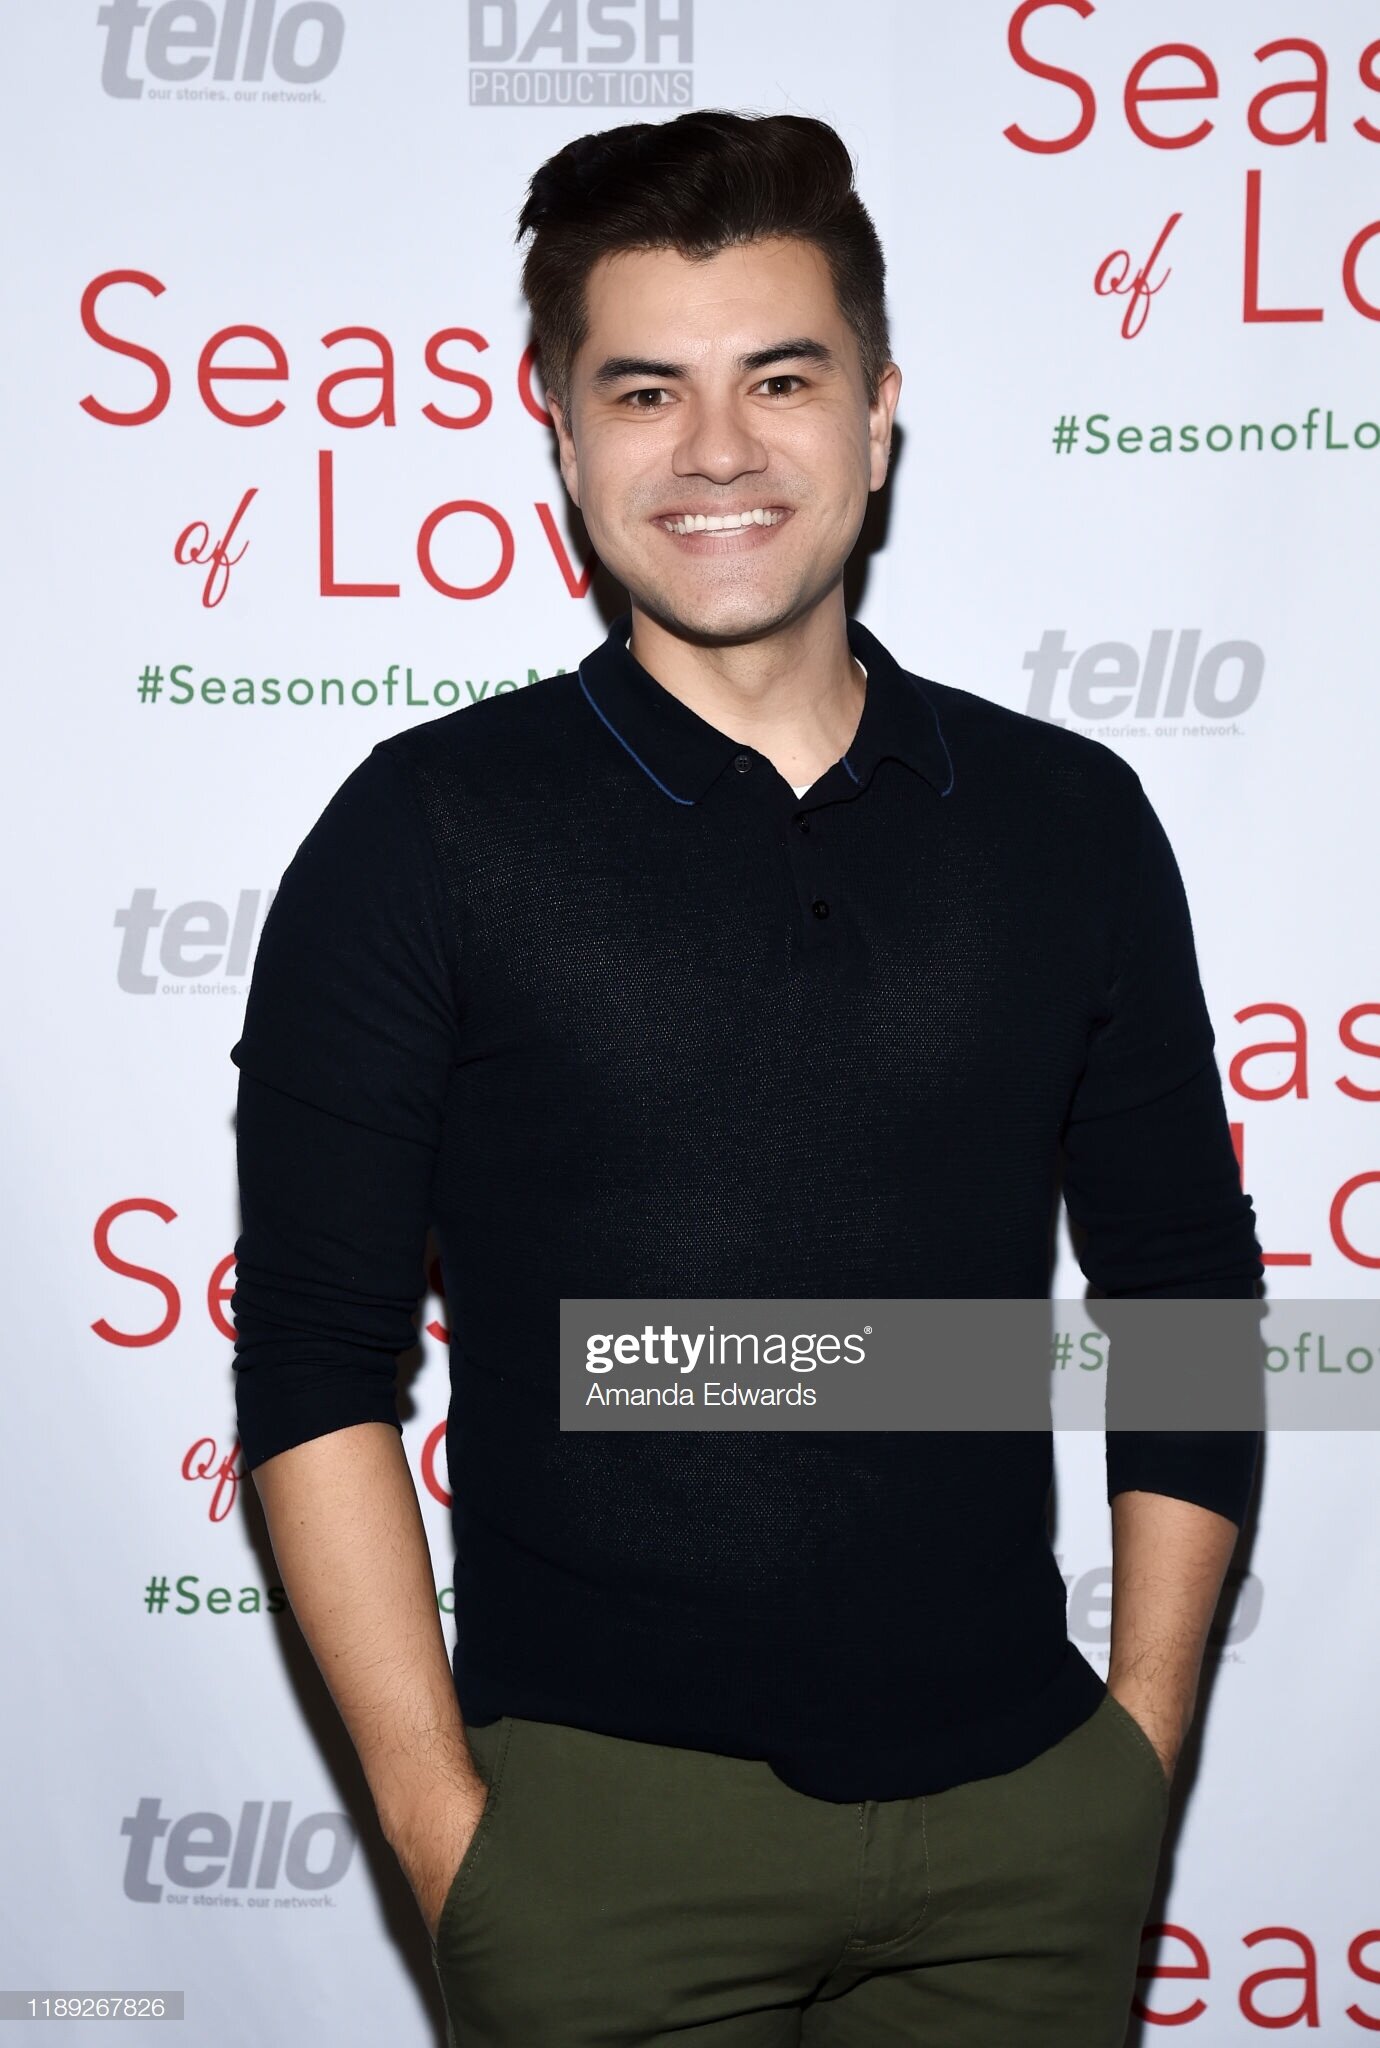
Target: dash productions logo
[208,1862]
[581,53]
[229,51]
[1174,687]
[203,947]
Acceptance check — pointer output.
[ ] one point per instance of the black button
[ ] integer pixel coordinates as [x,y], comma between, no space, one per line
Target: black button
[742,762]
[803,823]
[820,907]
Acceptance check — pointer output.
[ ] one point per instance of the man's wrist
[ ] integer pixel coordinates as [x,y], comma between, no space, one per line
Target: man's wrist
[1164,1707]
[409,1795]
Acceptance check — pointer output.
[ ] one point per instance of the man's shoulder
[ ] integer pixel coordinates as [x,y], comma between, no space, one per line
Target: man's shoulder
[1018,752]
[517,740]
[506,731]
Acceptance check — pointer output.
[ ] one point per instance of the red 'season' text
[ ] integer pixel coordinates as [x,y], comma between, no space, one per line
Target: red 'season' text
[1263,1996]
[1291,107]
[374,382]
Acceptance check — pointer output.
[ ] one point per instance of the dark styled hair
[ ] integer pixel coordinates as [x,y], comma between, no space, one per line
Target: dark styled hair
[697,184]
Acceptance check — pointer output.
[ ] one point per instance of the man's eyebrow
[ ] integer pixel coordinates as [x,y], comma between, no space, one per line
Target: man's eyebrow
[800,348]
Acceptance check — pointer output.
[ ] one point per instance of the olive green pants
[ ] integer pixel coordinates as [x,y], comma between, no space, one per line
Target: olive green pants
[621,1894]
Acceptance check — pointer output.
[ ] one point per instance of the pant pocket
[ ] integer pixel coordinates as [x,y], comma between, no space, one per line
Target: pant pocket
[489,1745]
[1134,1736]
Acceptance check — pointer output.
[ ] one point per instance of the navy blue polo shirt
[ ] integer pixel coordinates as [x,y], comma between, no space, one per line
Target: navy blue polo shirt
[578,982]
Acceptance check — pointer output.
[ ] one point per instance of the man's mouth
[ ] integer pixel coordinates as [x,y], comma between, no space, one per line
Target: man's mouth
[725,522]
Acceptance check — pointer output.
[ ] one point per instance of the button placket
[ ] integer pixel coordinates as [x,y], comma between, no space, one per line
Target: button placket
[807,857]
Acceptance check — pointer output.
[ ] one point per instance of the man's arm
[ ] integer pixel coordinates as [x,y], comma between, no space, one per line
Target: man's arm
[1158,1194]
[348,1046]
[1154,1190]
[347,1534]
[1169,1560]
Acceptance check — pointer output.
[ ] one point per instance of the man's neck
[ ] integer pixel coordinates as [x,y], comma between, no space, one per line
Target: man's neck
[801,717]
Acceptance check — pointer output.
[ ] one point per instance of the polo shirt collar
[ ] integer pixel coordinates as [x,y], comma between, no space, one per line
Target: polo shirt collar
[683,753]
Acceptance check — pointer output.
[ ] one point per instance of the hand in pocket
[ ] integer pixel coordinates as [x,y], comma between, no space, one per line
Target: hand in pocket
[1155,1750]
[433,1845]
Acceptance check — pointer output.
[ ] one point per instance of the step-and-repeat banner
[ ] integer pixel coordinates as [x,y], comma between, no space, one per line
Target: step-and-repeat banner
[280,481]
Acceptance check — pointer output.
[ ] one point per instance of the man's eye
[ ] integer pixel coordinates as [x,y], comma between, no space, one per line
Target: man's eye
[655,390]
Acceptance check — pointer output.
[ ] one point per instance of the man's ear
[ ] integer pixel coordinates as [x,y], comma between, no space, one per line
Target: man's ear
[880,424]
[570,463]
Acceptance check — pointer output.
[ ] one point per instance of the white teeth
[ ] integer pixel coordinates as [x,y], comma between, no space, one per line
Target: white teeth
[707,523]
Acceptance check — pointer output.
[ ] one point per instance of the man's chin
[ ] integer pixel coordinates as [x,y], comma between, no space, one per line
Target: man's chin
[712,621]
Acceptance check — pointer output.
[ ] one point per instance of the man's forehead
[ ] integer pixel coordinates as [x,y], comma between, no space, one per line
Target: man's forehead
[703,319]
[737,262]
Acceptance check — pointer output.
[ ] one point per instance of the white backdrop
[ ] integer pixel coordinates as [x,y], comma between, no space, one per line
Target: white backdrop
[190,168]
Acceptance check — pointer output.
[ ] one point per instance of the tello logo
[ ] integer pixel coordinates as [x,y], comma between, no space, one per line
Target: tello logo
[255,1857]
[236,45]
[202,947]
[1174,685]
[581,53]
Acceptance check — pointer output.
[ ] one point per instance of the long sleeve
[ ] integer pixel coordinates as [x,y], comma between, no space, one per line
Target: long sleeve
[1151,1179]
[345,1055]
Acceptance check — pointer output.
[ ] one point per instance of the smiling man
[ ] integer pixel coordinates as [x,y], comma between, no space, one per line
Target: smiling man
[741,962]
[727,494]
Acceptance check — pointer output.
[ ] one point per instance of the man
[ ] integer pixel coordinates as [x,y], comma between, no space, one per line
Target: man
[744,963]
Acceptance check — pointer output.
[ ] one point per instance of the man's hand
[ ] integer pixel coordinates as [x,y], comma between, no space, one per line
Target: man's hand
[431,1844]
[1169,1560]
[1163,1730]
[347,1534]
